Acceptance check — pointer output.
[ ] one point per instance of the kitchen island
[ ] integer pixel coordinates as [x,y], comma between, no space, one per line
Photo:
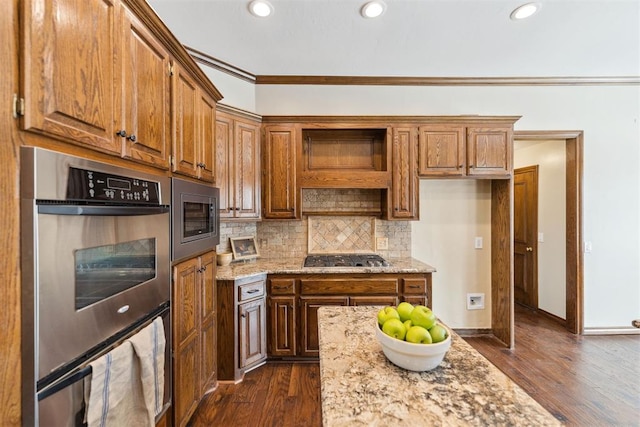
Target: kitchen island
[361,387]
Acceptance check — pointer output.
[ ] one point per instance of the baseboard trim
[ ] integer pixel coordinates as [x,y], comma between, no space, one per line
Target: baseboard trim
[553,317]
[473,332]
[621,330]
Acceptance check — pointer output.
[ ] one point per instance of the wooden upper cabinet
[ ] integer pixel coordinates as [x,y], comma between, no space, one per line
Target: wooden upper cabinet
[193,115]
[490,151]
[404,177]
[237,166]
[146,113]
[442,151]
[450,151]
[68,76]
[280,199]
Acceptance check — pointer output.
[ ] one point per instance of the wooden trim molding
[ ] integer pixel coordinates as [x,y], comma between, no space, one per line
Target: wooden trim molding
[224,108]
[239,73]
[447,81]
[388,120]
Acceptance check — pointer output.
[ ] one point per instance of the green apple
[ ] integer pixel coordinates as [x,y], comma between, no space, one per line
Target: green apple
[404,310]
[386,314]
[418,334]
[423,316]
[407,324]
[438,333]
[394,328]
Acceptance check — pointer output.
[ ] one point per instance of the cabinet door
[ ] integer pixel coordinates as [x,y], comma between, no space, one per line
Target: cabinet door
[206,136]
[247,161]
[442,151]
[224,169]
[252,332]
[282,326]
[145,94]
[185,123]
[404,176]
[69,70]
[208,321]
[279,174]
[310,345]
[186,360]
[489,151]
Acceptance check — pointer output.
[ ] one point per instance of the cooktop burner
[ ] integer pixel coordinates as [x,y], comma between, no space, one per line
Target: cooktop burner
[345,260]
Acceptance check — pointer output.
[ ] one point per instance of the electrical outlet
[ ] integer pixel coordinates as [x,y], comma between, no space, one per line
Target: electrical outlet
[475,301]
[382,243]
[587,247]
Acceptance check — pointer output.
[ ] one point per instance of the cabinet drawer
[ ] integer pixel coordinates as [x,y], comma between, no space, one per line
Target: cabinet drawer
[414,286]
[282,286]
[251,291]
[348,286]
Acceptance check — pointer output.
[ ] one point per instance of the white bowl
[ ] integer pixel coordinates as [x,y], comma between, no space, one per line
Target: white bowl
[410,356]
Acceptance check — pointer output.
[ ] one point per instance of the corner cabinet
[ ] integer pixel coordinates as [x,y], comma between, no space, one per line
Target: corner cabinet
[237,164]
[294,299]
[279,187]
[194,334]
[242,315]
[458,151]
[194,115]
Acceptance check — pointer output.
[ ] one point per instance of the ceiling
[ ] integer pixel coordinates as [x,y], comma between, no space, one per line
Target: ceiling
[414,38]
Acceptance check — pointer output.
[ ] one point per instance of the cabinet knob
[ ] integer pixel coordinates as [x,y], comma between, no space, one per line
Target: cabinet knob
[132,138]
[529,249]
[122,133]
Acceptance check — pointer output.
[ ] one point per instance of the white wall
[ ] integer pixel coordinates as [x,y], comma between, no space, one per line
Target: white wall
[236,92]
[550,156]
[608,115]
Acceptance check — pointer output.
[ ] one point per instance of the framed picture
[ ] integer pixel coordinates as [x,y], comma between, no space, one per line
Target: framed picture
[244,247]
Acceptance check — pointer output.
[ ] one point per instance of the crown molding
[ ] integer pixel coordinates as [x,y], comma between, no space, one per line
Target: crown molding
[247,76]
[446,81]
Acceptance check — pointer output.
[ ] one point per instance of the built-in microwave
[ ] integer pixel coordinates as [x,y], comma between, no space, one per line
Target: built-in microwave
[195,225]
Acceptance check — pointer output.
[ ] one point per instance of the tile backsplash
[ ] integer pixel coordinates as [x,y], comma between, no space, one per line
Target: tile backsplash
[291,238]
[341,233]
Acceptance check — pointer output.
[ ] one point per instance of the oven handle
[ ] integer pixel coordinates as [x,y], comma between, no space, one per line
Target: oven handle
[102,210]
[77,376]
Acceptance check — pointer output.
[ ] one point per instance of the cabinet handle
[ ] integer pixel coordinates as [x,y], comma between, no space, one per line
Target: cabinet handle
[132,138]
[280,287]
[414,287]
[122,133]
[253,291]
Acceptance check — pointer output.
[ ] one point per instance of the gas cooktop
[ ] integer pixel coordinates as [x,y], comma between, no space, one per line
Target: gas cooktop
[345,260]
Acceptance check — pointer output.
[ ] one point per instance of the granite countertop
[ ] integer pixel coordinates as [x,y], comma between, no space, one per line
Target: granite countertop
[294,265]
[361,387]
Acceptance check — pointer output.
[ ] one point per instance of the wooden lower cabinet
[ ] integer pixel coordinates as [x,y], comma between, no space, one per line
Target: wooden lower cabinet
[242,316]
[294,299]
[194,334]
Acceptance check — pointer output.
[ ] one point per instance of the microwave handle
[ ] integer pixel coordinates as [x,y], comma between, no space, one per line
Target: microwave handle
[102,210]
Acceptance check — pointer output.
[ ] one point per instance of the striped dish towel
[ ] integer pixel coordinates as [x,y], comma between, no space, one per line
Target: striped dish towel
[115,393]
[148,347]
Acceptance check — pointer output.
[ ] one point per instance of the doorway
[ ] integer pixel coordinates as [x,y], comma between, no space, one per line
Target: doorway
[573,142]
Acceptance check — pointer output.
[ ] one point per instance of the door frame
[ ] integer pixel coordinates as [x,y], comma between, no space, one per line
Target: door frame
[573,140]
[534,260]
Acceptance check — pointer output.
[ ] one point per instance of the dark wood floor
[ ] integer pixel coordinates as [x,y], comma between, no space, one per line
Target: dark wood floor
[581,380]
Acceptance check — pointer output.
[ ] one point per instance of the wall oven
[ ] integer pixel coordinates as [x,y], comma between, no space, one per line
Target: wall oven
[96,269]
[194,218]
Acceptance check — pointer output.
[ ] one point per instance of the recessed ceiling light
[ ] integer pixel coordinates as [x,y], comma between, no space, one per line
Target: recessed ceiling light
[260,8]
[373,9]
[525,11]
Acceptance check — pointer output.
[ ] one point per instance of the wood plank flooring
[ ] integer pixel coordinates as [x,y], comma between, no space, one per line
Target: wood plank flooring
[581,380]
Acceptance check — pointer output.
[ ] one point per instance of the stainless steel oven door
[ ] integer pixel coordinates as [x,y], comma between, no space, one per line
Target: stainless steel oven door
[95,275]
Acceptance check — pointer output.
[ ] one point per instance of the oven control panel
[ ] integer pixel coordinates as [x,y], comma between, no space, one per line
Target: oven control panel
[89,185]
